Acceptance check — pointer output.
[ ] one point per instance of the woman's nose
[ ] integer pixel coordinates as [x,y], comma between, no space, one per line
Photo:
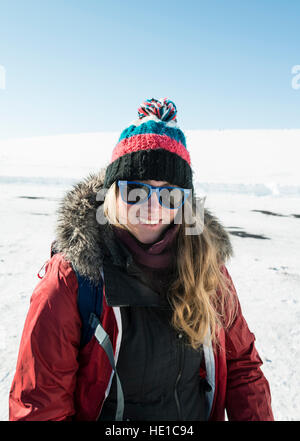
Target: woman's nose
[153,204]
[153,201]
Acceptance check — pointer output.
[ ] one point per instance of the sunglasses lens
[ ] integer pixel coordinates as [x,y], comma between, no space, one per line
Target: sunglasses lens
[172,198]
[135,193]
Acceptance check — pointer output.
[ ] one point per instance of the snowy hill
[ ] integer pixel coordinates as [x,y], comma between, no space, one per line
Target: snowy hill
[260,162]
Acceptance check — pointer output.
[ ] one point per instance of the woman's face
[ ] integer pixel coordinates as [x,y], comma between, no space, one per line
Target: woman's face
[137,216]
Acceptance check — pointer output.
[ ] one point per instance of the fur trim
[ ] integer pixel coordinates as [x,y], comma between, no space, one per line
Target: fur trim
[84,242]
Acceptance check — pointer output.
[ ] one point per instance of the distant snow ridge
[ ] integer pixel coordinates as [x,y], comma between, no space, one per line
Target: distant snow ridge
[201,188]
[39,180]
[254,162]
[263,189]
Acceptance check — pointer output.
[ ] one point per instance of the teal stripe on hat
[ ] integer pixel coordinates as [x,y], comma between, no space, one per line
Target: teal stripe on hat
[158,128]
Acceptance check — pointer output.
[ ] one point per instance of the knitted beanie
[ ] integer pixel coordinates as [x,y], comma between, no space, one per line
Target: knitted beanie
[152,147]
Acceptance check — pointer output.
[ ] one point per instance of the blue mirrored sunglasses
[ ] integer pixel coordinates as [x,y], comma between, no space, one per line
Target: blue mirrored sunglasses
[133,192]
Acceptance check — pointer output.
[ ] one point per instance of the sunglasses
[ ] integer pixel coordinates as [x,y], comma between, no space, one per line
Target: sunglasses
[137,193]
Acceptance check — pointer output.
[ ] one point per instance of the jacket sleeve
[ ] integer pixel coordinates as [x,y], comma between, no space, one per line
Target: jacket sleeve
[45,378]
[248,395]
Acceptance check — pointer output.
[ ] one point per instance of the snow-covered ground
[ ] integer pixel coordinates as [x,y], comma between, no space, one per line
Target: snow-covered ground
[239,171]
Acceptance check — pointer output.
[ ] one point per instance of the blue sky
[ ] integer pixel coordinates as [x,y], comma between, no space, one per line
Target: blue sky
[74,66]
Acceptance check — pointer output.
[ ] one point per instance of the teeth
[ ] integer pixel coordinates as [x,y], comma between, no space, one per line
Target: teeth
[147,221]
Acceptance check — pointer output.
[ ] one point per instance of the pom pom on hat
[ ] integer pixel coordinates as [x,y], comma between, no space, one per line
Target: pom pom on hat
[163,109]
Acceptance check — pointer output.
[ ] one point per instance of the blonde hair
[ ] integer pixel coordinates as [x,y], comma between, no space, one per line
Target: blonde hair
[201,296]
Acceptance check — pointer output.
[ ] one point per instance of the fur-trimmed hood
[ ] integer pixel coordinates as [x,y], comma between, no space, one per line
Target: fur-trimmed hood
[84,241]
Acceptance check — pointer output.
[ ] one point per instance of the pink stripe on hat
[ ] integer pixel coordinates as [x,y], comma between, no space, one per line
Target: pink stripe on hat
[150,141]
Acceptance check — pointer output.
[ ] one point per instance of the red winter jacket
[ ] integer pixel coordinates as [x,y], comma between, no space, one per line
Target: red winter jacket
[56,380]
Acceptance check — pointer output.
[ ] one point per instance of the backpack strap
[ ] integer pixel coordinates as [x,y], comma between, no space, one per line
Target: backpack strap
[104,341]
[89,300]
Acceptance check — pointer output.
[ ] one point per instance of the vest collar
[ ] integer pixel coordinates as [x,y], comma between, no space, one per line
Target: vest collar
[123,289]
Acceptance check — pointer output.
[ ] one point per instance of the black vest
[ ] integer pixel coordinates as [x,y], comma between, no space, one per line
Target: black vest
[159,371]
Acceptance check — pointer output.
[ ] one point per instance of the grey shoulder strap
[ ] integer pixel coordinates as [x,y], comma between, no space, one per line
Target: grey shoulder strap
[104,341]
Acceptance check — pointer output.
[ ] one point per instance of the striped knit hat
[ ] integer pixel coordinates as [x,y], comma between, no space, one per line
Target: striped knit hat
[152,147]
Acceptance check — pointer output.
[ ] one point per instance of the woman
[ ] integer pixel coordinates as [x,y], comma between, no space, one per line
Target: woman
[181,348]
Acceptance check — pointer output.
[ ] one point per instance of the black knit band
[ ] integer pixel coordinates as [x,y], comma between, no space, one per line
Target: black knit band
[158,164]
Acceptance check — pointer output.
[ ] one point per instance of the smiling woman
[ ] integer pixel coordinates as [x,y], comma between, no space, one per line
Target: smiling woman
[142,320]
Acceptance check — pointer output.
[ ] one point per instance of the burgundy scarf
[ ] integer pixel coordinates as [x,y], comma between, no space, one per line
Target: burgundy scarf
[158,255]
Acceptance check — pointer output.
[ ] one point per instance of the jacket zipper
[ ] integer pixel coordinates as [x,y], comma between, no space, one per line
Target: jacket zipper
[181,353]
